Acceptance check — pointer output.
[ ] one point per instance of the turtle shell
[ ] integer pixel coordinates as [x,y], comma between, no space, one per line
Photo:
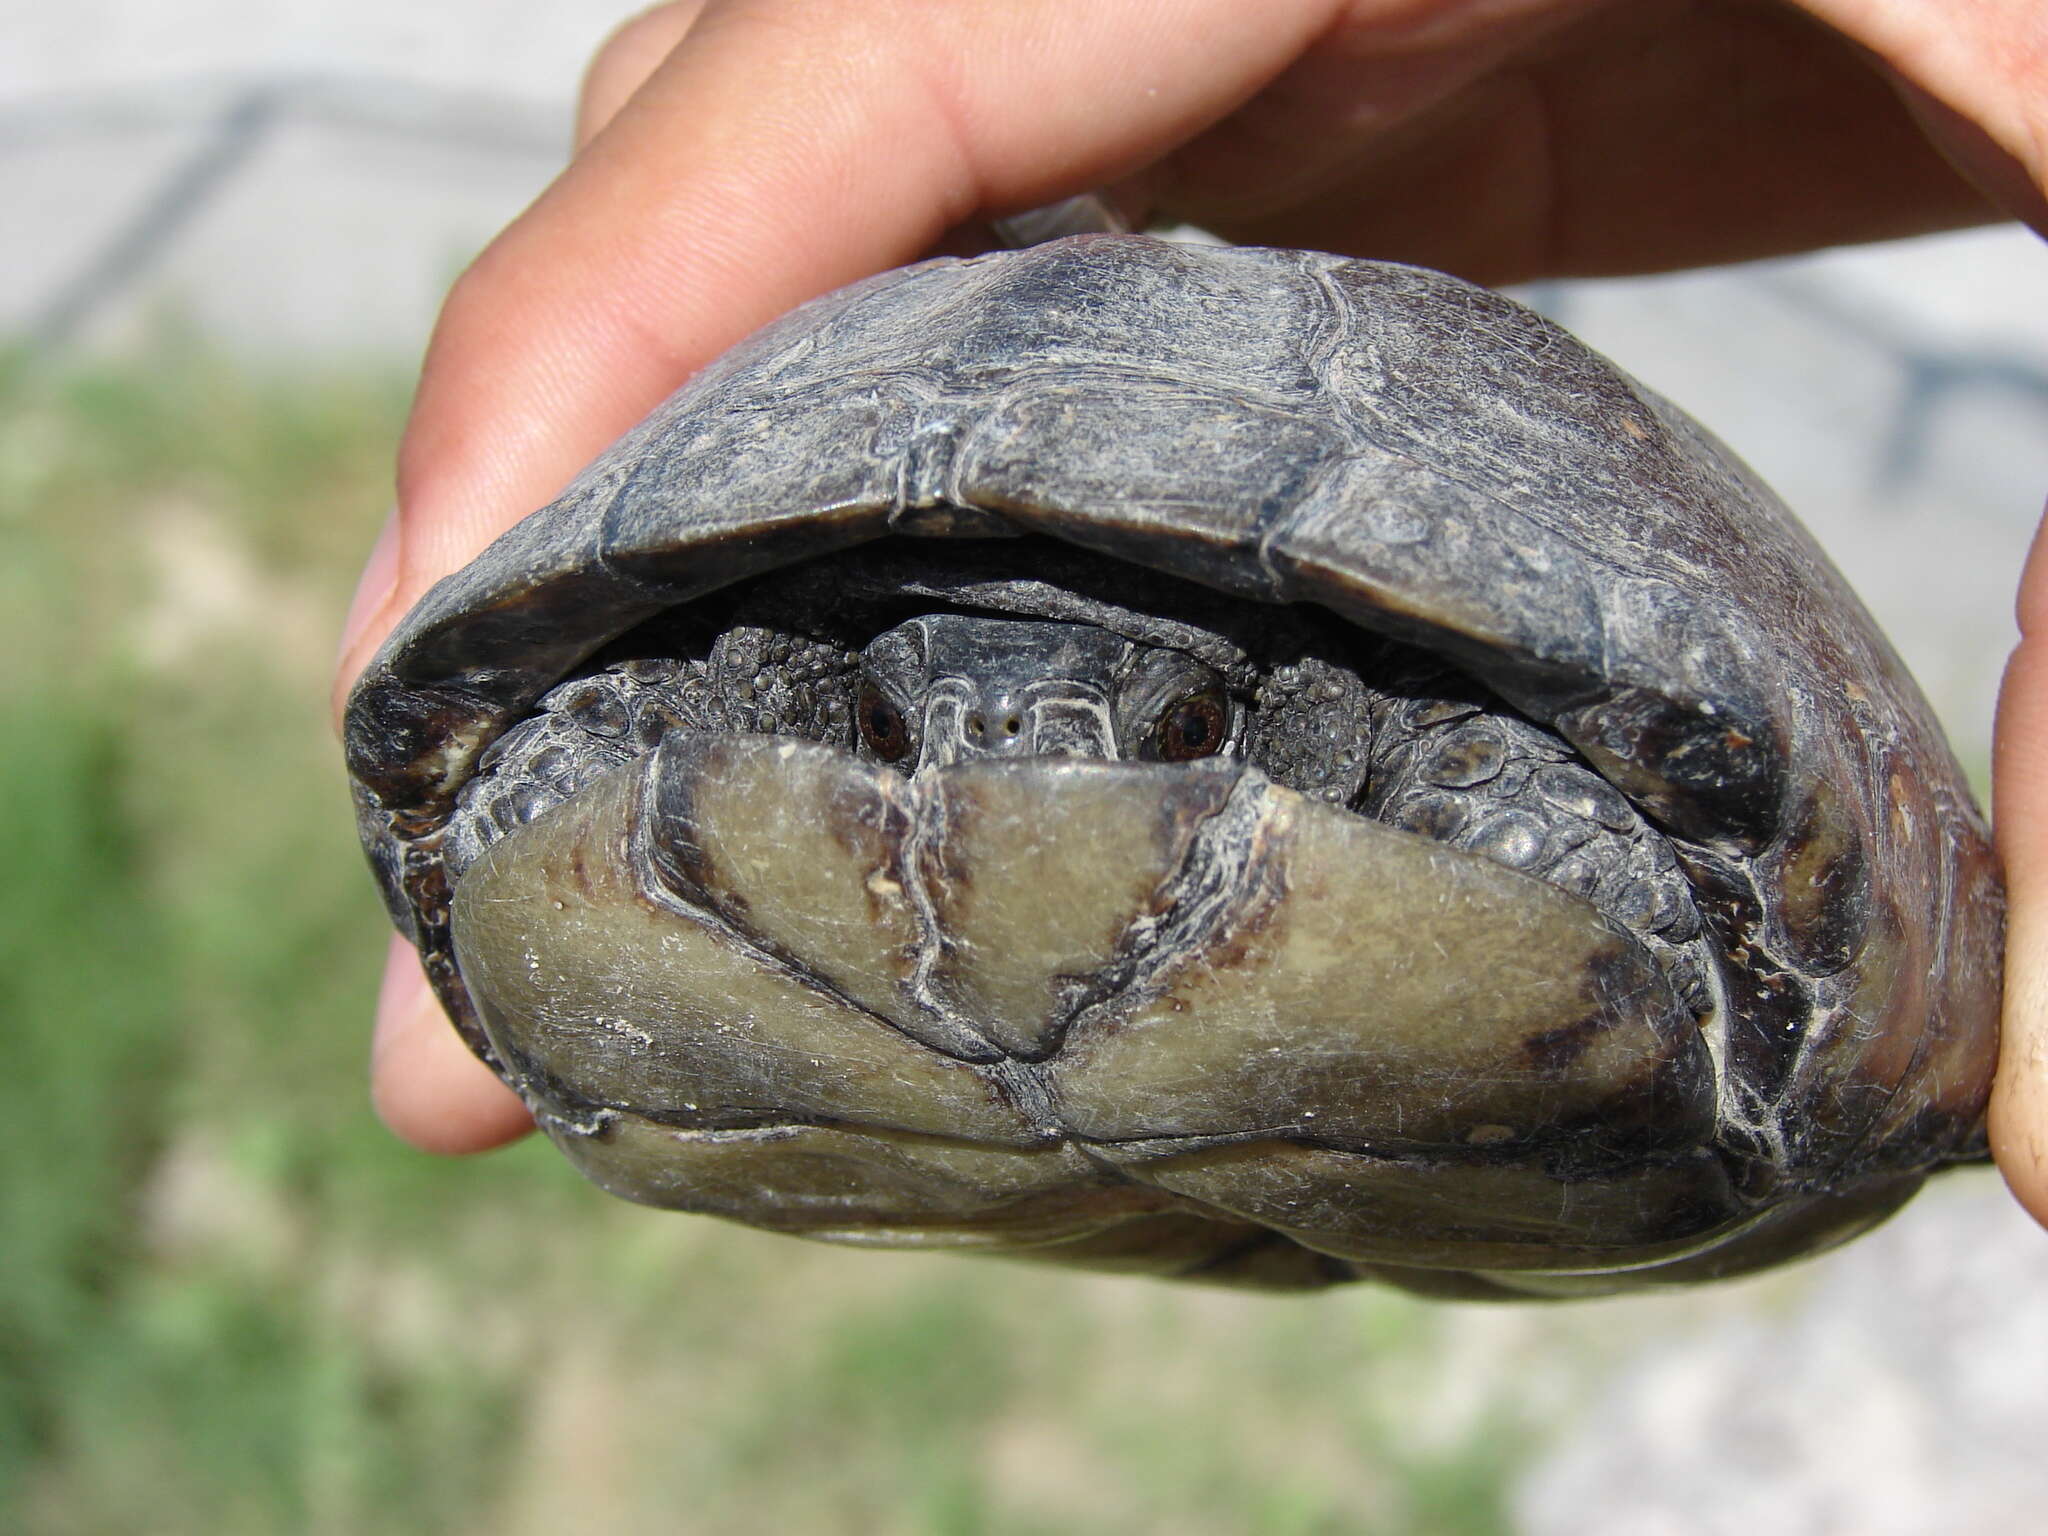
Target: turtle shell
[1424,459]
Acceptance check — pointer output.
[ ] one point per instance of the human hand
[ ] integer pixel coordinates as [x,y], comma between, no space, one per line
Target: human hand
[738,158]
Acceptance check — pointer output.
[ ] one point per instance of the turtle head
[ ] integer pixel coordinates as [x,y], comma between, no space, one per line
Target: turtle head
[945,688]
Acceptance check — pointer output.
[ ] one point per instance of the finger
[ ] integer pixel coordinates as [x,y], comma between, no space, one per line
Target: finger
[1985,61]
[2001,177]
[427,1086]
[2019,1095]
[625,61]
[1624,139]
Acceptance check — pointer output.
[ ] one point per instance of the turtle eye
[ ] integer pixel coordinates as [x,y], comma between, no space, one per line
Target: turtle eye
[882,725]
[1192,727]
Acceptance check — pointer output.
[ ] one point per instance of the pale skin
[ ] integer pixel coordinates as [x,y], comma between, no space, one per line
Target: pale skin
[736,157]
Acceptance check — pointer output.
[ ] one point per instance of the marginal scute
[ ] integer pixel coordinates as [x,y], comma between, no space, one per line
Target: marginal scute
[437,737]
[1796,1229]
[850,1184]
[770,490]
[1691,766]
[1173,478]
[1208,1248]
[1392,543]
[1471,1214]
[1093,304]
[869,1187]
[1824,878]
[513,630]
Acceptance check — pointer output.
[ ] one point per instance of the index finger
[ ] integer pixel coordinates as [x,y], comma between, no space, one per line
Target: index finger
[780,151]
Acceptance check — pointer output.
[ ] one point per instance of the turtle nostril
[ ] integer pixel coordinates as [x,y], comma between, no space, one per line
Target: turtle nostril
[1012,726]
[976,728]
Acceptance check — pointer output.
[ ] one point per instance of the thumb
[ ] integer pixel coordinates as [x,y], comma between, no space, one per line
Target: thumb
[2019,1096]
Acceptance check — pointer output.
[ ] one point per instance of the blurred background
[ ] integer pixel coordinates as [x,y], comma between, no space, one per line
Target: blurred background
[229,1303]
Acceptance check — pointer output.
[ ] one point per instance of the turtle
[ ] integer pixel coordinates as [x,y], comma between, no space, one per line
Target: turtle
[1219,763]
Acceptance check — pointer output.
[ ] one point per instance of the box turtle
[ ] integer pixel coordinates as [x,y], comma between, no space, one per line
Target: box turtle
[1228,763]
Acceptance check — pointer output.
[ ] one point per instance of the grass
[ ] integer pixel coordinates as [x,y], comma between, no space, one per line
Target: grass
[184,1155]
[229,1303]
